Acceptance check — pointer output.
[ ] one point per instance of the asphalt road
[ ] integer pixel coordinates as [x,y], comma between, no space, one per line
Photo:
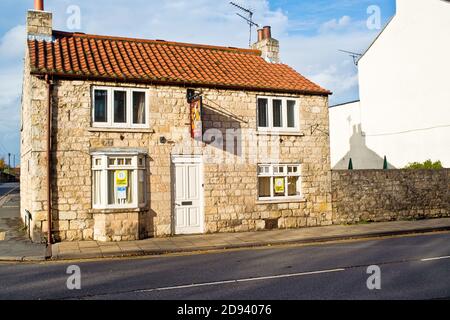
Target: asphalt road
[7,187]
[330,271]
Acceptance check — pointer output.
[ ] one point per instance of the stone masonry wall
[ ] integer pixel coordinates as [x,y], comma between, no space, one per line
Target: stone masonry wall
[386,195]
[230,177]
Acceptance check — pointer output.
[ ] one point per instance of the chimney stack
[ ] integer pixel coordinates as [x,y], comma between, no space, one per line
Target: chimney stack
[269,47]
[39,23]
[267,32]
[260,35]
[39,5]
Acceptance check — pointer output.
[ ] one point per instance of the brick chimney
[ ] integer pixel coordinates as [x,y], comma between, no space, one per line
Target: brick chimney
[269,46]
[39,23]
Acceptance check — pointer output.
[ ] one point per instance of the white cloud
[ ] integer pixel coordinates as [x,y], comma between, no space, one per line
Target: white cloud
[12,44]
[336,24]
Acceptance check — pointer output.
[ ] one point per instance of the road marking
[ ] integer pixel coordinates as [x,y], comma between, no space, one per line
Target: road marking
[3,198]
[437,258]
[242,280]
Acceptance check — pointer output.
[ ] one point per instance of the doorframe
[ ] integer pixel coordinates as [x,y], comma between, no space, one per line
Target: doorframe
[188,159]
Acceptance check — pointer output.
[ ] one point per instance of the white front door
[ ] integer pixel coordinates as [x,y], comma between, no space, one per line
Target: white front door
[188,195]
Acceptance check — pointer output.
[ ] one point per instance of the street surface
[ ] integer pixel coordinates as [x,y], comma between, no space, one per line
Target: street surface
[414,267]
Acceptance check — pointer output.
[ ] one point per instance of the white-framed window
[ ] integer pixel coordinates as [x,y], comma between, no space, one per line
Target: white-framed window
[279,181]
[118,107]
[278,114]
[118,181]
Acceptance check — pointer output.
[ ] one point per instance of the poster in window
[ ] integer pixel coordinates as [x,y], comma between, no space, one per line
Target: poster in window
[279,185]
[196,119]
[122,178]
[122,193]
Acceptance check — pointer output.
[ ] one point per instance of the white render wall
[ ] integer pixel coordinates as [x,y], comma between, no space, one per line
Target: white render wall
[404,83]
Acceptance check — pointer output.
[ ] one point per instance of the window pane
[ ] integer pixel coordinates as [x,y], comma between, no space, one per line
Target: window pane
[293,169]
[294,186]
[100,106]
[278,169]
[120,187]
[263,170]
[264,187]
[120,107]
[139,107]
[279,186]
[277,114]
[262,113]
[141,186]
[96,187]
[291,113]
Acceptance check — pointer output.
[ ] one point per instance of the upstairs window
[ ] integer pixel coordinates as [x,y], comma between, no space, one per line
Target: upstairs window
[117,107]
[278,114]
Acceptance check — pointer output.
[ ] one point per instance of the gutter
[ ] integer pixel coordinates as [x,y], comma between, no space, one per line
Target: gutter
[49,163]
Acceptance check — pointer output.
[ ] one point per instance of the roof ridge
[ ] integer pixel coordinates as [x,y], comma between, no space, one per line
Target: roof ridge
[160,42]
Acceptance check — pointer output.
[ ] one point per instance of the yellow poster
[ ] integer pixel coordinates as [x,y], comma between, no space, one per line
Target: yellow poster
[122,178]
[279,185]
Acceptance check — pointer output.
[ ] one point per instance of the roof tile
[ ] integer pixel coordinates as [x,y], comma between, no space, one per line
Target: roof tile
[77,55]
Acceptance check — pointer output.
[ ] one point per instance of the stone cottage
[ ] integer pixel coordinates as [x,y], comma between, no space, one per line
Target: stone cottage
[125,139]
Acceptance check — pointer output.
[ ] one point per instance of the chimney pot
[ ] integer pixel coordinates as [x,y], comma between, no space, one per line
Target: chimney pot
[267,32]
[39,5]
[260,35]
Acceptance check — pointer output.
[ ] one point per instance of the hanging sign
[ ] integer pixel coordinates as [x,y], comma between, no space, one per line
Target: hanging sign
[279,185]
[122,178]
[196,119]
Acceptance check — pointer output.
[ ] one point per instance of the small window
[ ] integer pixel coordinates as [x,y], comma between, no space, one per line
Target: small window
[291,113]
[277,114]
[120,107]
[277,182]
[138,107]
[118,184]
[100,106]
[263,113]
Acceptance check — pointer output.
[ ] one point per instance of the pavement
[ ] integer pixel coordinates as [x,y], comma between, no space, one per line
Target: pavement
[14,242]
[223,241]
[411,267]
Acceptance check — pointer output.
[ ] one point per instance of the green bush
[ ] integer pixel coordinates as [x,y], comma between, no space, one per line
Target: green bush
[426,165]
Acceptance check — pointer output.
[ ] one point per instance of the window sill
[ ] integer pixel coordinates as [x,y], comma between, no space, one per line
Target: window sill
[125,130]
[281,133]
[123,210]
[281,201]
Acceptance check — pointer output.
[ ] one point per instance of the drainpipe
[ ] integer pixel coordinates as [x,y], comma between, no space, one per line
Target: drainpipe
[49,162]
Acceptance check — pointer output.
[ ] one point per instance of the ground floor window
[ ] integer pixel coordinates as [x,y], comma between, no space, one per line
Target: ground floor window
[118,180]
[277,182]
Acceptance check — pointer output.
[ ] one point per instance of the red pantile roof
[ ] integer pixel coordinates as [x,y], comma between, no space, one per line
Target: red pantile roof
[78,55]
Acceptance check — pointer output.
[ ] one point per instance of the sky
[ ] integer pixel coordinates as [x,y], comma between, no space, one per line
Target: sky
[311,33]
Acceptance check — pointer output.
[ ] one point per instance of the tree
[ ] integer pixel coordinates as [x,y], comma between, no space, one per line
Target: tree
[2,164]
[426,165]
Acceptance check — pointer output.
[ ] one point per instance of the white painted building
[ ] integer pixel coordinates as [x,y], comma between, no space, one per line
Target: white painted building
[404,80]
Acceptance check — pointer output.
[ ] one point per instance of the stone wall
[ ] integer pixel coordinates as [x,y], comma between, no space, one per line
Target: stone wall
[386,195]
[230,192]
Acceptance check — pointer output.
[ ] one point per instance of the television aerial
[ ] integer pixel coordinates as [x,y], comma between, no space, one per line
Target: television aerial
[248,19]
[354,55]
